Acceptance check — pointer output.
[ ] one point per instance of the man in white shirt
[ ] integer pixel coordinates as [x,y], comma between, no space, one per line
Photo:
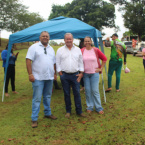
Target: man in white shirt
[70,67]
[41,67]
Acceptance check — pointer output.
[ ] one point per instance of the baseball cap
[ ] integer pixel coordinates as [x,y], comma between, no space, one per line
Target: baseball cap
[114,35]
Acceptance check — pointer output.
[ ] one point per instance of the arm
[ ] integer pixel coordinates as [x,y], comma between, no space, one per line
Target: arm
[29,70]
[55,75]
[102,57]
[143,52]
[81,67]
[58,62]
[4,55]
[125,55]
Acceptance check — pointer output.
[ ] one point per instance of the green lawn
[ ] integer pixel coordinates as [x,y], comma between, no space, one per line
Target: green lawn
[122,124]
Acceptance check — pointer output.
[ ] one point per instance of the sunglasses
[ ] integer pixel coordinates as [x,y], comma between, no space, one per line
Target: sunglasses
[45,52]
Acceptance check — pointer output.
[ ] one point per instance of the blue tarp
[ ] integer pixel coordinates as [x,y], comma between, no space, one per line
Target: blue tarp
[57,28]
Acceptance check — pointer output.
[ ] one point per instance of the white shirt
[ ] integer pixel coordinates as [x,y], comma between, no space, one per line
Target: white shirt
[42,64]
[69,61]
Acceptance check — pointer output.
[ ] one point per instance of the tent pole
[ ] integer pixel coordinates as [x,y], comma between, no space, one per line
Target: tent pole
[6,67]
[103,88]
[102,49]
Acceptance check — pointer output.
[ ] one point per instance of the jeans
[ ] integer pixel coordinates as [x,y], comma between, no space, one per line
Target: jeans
[91,82]
[114,66]
[70,80]
[40,88]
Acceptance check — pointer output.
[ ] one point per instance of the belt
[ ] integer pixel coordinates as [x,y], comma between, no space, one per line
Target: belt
[69,73]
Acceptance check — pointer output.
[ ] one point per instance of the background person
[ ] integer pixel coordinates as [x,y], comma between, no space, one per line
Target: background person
[143,54]
[40,62]
[10,70]
[69,63]
[118,48]
[81,45]
[92,68]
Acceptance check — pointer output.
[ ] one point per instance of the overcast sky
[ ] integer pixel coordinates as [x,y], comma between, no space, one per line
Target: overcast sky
[43,7]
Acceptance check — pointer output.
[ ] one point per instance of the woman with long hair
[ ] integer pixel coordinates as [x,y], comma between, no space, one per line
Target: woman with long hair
[92,68]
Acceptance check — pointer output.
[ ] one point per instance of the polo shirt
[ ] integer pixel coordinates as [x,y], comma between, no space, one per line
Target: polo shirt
[42,64]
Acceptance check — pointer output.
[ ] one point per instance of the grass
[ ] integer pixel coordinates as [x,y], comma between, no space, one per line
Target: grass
[122,123]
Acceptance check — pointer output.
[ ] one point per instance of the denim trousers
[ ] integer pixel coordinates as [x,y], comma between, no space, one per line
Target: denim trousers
[40,88]
[114,66]
[91,82]
[70,80]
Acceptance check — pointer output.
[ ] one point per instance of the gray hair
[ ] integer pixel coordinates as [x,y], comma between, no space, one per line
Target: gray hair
[68,34]
[45,32]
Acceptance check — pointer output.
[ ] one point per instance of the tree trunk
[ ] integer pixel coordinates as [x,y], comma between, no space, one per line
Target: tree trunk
[139,37]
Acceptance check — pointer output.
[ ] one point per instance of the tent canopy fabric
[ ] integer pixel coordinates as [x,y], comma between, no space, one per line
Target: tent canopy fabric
[57,28]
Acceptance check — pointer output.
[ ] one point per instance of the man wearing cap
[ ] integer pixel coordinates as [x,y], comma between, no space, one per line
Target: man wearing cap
[115,64]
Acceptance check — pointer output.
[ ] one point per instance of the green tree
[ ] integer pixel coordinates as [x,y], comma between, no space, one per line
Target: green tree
[14,16]
[133,14]
[53,43]
[97,13]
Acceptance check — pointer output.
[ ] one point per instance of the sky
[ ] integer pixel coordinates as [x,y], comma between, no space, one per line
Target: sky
[43,7]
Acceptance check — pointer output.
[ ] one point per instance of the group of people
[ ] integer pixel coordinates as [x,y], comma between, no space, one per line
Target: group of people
[73,65]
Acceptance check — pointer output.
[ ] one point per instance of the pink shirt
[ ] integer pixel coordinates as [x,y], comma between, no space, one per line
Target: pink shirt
[90,61]
[143,50]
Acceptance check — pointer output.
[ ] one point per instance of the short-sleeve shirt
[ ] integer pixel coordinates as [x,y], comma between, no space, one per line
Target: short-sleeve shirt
[42,64]
[116,53]
[143,50]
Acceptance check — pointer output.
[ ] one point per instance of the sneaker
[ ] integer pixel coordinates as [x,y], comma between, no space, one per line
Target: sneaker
[51,117]
[34,124]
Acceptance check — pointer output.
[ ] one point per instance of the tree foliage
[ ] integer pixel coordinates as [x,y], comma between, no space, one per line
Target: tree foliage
[133,14]
[14,16]
[97,13]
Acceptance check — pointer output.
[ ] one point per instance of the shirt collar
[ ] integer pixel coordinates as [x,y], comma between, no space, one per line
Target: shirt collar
[40,44]
[67,47]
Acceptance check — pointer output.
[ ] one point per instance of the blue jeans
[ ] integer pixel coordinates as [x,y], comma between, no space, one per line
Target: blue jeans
[91,82]
[41,88]
[67,81]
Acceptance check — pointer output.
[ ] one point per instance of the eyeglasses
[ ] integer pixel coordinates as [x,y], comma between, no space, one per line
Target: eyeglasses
[45,52]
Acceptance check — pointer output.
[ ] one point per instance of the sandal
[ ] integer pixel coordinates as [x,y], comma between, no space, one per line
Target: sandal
[101,112]
[118,90]
[108,90]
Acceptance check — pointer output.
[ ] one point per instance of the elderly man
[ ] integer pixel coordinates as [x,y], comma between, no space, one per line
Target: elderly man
[40,62]
[70,67]
[115,64]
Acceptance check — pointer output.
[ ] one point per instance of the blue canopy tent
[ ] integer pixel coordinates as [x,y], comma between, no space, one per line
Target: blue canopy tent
[57,28]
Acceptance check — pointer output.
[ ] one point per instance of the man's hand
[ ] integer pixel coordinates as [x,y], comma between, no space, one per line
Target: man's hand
[124,63]
[31,78]
[80,75]
[60,73]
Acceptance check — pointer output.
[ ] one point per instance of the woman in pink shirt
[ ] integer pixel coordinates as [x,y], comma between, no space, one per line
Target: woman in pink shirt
[143,54]
[92,68]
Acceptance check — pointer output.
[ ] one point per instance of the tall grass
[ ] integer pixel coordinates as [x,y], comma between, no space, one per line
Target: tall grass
[122,123]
